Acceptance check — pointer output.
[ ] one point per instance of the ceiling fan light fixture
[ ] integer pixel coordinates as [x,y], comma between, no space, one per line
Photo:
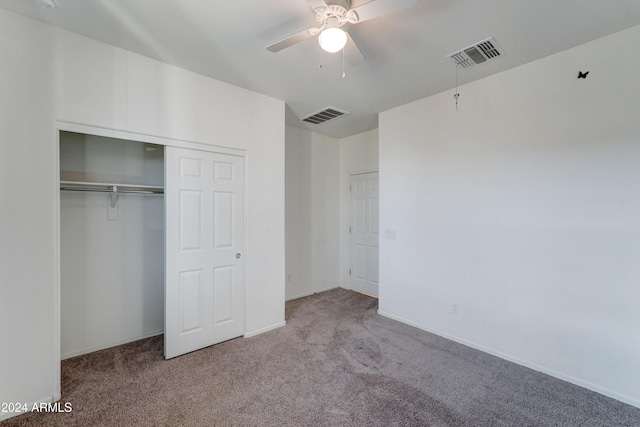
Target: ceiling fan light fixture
[332,39]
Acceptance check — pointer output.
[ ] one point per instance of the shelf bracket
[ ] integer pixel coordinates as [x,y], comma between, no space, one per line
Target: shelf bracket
[113,196]
[112,209]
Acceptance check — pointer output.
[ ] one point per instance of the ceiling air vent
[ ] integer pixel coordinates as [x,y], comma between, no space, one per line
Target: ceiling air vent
[477,53]
[324,115]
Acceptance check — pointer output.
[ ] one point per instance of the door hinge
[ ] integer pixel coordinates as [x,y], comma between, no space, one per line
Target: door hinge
[349,272]
[350,187]
[349,229]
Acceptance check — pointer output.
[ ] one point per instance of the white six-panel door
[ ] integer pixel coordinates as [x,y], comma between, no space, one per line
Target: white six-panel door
[364,234]
[204,283]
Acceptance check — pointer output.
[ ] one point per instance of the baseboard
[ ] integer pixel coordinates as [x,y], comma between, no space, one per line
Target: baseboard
[536,367]
[306,294]
[80,352]
[263,330]
[7,415]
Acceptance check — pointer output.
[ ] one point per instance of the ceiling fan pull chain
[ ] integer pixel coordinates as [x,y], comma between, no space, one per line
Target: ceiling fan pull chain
[344,73]
[457,94]
[321,58]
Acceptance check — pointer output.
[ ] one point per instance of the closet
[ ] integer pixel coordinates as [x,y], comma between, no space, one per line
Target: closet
[111,242]
[151,242]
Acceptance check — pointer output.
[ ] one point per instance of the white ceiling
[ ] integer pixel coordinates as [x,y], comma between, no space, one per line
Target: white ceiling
[406,51]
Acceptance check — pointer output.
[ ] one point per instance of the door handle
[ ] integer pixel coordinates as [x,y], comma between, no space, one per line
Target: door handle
[238,255]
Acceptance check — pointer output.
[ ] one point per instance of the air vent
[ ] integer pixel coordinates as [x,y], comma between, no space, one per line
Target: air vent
[324,115]
[477,53]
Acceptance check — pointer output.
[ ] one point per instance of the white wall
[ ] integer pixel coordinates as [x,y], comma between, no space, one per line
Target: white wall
[358,153]
[312,212]
[318,170]
[48,73]
[151,98]
[298,212]
[522,208]
[112,272]
[28,305]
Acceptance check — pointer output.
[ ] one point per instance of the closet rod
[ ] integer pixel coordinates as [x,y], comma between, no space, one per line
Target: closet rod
[110,188]
[105,190]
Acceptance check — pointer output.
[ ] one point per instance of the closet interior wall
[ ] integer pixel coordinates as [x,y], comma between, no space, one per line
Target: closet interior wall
[112,249]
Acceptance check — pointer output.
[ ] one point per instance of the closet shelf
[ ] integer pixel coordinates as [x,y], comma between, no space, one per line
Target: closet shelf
[110,188]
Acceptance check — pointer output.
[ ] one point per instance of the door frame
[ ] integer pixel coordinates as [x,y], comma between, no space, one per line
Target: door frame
[60,125]
[348,224]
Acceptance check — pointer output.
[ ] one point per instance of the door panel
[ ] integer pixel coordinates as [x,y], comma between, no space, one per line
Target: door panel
[361,263]
[204,278]
[190,216]
[223,219]
[190,283]
[223,294]
[364,235]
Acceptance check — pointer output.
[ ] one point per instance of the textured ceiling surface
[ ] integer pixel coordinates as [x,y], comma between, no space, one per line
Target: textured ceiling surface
[405,51]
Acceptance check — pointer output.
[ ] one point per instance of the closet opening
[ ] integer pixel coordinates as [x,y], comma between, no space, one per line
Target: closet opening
[112,242]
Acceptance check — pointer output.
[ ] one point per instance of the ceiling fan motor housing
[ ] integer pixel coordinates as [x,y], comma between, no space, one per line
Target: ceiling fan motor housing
[345,4]
[337,14]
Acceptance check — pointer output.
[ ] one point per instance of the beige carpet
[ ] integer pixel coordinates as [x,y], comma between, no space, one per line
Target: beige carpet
[336,363]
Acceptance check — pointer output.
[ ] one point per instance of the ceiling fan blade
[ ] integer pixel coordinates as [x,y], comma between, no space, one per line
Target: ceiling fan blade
[352,52]
[318,5]
[291,40]
[377,8]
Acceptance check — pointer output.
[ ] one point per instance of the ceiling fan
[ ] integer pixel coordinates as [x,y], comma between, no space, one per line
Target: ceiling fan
[332,15]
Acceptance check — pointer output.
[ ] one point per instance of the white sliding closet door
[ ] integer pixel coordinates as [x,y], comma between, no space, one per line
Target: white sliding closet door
[204,278]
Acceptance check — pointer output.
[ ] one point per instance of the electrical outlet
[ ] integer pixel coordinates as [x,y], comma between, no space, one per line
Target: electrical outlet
[288,277]
[390,234]
[454,308]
